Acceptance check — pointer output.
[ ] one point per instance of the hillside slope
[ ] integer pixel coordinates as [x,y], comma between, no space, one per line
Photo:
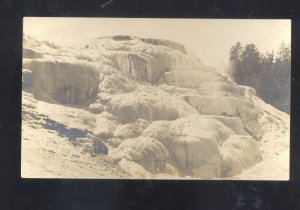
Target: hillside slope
[127,107]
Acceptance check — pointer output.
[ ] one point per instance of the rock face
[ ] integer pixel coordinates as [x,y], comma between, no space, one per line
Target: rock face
[62,82]
[167,43]
[27,53]
[146,104]
[238,152]
[193,143]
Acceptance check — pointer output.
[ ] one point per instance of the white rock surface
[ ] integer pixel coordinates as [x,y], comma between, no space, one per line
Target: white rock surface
[148,103]
[63,83]
[96,108]
[128,107]
[193,142]
[239,152]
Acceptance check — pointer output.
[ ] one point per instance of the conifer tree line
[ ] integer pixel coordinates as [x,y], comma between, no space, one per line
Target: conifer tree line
[268,73]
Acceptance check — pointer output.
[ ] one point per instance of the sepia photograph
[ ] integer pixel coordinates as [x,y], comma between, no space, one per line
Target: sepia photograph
[155,98]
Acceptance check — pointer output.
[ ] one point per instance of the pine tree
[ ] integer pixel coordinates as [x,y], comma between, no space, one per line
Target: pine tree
[270,76]
[235,57]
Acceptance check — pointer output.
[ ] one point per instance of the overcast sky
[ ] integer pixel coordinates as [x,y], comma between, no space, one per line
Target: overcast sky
[210,39]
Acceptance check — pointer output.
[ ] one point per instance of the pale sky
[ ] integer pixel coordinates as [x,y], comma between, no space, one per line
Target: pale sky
[210,39]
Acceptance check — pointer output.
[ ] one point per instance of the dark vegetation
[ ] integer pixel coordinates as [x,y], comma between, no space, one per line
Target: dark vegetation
[268,74]
[121,38]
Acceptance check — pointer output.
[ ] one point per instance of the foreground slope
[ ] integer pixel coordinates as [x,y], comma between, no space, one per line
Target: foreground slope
[127,107]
